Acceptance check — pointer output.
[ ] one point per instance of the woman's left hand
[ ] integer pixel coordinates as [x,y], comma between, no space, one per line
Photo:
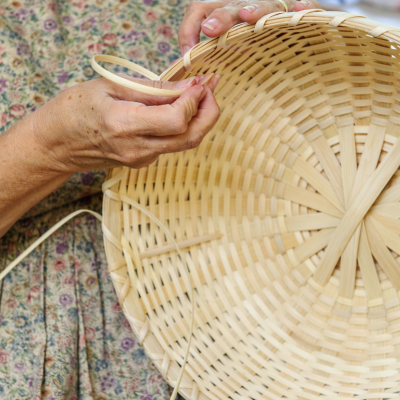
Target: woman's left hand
[216,17]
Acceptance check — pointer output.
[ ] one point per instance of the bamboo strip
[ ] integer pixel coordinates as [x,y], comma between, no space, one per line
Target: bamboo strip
[367,267]
[382,254]
[348,263]
[388,209]
[357,211]
[310,199]
[182,245]
[391,239]
[318,182]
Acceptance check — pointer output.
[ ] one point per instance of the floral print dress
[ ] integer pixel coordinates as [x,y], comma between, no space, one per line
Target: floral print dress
[62,332]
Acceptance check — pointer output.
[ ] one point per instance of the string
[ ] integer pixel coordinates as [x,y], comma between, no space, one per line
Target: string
[43,238]
[100,218]
[133,203]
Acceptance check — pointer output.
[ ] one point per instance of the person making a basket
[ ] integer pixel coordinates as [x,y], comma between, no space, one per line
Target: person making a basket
[62,332]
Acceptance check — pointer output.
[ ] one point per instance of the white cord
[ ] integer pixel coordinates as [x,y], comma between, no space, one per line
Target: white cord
[99,217]
[43,238]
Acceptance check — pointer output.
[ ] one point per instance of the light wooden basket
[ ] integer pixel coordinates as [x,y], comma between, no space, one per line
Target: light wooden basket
[287,216]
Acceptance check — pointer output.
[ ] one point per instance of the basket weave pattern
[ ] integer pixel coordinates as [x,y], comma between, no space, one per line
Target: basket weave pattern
[287,216]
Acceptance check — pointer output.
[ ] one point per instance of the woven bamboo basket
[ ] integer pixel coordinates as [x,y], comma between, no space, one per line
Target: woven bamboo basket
[287,216]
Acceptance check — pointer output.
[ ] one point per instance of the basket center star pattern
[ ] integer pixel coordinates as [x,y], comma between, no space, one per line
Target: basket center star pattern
[288,216]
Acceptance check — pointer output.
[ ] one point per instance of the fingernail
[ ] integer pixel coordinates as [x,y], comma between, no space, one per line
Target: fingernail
[203,93]
[211,24]
[216,81]
[206,78]
[185,49]
[250,9]
[301,5]
[186,83]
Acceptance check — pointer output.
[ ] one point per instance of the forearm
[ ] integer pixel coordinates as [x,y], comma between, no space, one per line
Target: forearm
[26,172]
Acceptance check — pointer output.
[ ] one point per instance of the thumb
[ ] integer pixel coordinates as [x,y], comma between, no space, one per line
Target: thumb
[188,102]
[173,119]
[191,98]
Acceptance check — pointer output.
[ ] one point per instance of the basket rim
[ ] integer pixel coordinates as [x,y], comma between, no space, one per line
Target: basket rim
[333,18]
[142,328]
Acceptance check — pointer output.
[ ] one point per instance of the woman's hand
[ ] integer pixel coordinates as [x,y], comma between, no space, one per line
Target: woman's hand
[99,124]
[216,17]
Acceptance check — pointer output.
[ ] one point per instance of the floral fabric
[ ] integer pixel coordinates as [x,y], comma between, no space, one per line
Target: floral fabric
[62,332]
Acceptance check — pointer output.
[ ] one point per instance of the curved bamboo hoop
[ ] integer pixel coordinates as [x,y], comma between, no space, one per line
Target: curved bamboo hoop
[287,216]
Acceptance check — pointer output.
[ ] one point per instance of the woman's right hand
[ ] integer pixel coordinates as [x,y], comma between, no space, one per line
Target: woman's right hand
[99,124]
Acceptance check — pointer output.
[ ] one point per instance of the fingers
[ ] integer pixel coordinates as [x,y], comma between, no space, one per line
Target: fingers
[189,30]
[173,119]
[160,120]
[307,5]
[257,9]
[216,17]
[134,135]
[224,18]
[205,118]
